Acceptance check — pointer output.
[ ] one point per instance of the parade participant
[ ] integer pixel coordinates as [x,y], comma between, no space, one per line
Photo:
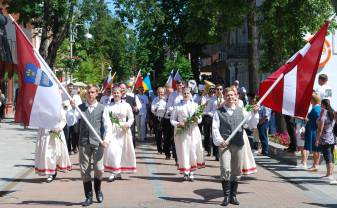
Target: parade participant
[158,108]
[51,154]
[5,49]
[198,96]
[71,132]
[168,129]
[119,156]
[141,117]
[135,105]
[173,99]
[209,101]
[187,137]
[2,105]
[225,120]
[89,146]
[107,97]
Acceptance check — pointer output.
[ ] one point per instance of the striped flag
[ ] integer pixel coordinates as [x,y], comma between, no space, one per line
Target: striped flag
[292,95]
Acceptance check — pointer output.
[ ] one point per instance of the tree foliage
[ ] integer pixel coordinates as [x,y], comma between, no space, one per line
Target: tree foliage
[283,27]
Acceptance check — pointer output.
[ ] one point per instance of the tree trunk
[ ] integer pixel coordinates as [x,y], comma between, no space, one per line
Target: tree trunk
[196,52]
[252,48]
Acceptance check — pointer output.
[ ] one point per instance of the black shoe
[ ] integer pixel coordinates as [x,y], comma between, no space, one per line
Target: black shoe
[98,192]
[118,177]
[234,189]
[167,158]
[88,193]
[54,176]
[226,192]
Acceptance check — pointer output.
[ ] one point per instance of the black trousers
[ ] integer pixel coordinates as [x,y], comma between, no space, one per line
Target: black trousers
[291,132]
[168,139]
[208,143]
[71,134]
[158,131]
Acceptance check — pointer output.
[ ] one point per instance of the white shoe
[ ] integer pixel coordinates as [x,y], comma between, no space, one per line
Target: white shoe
[302,166]
[112,177]
[329,179]
[50,179]
[191,176]
[186,177]
[334,182]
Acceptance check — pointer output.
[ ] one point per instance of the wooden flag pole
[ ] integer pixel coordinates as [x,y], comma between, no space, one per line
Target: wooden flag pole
[59,83]
[258,103]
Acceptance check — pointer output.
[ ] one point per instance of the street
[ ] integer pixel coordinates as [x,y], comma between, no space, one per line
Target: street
[156,183]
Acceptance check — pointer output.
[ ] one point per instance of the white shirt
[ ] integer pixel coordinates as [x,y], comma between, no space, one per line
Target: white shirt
[73,116]
[197,98]
[211,106]
[173,100]
[158,106]
[252,122]
[123,111]
[144,100]
[106,100]
[324,91]
[182,111]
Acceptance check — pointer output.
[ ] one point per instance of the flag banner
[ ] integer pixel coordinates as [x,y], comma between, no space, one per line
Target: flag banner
[176,78]
[169,80]
[147,83]
[108,83]
[139,81]
[39,98]
[292,95]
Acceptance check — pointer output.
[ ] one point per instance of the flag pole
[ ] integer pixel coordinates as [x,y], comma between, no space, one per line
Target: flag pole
[258,103]
[134,84]
[58,82]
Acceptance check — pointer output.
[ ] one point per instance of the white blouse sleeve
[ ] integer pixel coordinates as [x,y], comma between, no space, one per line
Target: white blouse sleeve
[174,117]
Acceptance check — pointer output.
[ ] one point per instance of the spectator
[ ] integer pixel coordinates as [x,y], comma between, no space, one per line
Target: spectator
[326,139]
[2,105]
[310,132]
[323,89]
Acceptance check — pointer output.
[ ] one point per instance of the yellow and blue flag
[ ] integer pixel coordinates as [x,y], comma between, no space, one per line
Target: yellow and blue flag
[147,83]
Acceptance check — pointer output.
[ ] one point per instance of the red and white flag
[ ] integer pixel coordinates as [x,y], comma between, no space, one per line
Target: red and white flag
[39,100]
[170,79]
[176,78]
[292,95]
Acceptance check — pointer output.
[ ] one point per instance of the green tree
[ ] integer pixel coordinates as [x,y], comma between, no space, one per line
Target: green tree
[284,25]
[177,63]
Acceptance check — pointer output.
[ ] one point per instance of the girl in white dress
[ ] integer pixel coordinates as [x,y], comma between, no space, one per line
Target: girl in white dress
[51,152]
[187,141]
[119,156]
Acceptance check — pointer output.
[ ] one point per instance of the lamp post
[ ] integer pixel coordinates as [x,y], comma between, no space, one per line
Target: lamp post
[72,36]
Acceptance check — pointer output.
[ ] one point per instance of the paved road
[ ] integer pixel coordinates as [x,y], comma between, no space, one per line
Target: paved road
[156,183]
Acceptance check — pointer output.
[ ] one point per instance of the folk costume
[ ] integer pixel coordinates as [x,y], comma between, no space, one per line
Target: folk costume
[51,153]
[188,141]
[119,156]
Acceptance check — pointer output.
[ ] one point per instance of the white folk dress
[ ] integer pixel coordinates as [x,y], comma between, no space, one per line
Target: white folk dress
[188,143]
[51,151]
[119,156]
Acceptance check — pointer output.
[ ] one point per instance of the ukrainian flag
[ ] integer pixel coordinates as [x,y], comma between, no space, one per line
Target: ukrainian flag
[147,83]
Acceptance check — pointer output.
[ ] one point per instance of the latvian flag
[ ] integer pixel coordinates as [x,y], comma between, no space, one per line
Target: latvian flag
[292,94]
[39,99]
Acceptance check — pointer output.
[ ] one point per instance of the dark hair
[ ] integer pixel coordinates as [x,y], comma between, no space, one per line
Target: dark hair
[326,105]
[323,77]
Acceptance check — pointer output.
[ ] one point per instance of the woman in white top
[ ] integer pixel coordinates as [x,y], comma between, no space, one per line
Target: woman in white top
[119,156]
[51,153]
[188,140]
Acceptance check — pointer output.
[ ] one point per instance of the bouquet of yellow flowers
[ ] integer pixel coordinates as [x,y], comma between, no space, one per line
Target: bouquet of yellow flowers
[191,119]
[55,135]
[114,120]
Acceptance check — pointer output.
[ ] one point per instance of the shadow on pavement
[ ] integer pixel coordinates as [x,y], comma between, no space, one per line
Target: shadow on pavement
[49,203]
[151,163]
[24,180]
[208,195]
[322,205]
[178,179]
